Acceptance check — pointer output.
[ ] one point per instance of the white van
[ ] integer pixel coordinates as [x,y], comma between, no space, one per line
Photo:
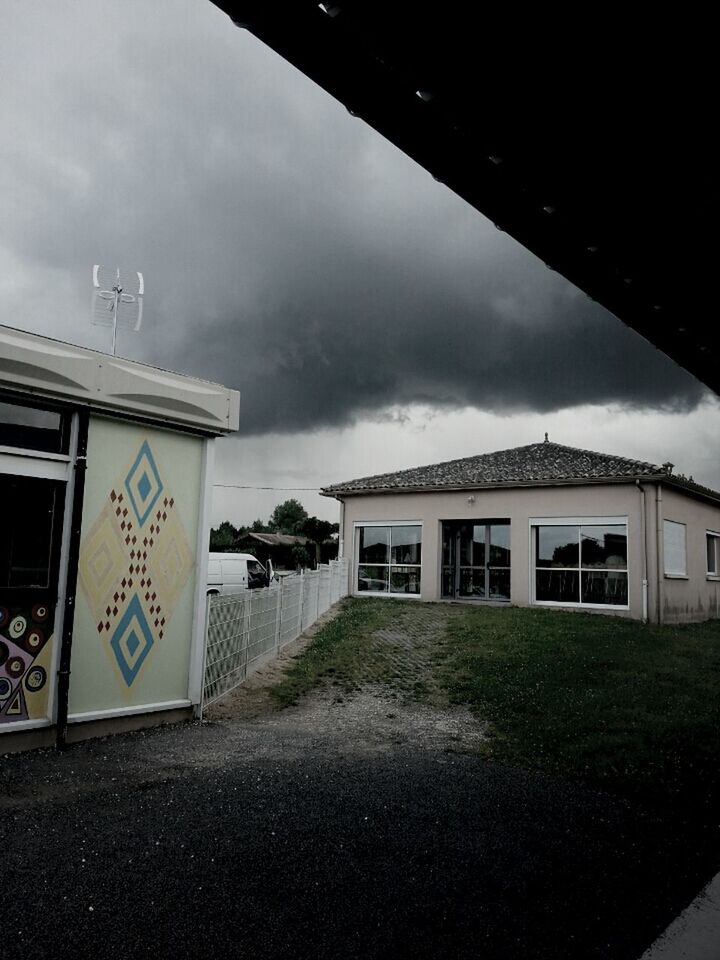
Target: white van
[235,572]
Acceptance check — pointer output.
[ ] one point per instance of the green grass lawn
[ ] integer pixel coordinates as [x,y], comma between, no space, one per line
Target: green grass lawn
[602,699]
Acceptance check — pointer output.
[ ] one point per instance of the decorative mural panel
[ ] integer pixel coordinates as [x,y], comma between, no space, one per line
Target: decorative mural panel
[25,647]
[134,564]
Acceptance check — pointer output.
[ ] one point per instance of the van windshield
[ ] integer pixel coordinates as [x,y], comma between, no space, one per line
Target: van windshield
[255,569]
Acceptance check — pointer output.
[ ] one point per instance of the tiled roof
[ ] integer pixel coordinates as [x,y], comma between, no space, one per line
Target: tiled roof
[541,463]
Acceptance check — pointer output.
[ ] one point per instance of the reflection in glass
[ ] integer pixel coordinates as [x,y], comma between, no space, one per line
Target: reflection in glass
[499,545]
[374,545]
[499,584]
[557,546]
[604,547]
[558,586]
[32,429]
[605,587]
[472,545]
[448,581]
[406,544]
[472,582]
[373,579]
[405,580]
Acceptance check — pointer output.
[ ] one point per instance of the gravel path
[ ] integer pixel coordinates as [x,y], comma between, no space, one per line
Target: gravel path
[366,827]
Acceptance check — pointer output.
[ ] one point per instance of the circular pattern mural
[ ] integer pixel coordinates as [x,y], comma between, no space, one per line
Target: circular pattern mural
[35,639]
[35,679]
[4,616]
[15,666]
[5,688]
[4,652]
[40,612]
[17,627]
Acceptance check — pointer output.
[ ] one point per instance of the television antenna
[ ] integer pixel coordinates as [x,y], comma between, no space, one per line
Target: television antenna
[117,299]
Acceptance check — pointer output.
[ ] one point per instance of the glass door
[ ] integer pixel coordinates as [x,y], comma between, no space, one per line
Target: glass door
[476,560]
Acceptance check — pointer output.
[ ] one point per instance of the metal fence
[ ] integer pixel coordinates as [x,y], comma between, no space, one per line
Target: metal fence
[246,630]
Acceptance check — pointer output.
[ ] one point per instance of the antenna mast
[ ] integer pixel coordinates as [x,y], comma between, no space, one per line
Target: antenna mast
[119,294]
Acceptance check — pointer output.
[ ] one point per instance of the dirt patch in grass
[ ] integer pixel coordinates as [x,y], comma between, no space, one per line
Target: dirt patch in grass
[362,680]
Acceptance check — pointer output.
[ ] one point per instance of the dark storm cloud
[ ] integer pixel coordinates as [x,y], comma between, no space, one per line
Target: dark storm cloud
[288,251]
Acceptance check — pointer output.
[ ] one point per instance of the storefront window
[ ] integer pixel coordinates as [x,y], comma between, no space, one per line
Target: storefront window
[389,559]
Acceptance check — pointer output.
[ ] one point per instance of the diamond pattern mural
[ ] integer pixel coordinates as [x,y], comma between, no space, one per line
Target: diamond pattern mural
[134,564]
[143,484]
[132,641]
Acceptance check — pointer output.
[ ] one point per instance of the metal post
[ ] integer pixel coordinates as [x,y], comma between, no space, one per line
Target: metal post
[278,614]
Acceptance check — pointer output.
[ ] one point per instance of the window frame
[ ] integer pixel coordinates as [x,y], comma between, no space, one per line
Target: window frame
[535,522]
[675,574]
[357,525]
[714,537]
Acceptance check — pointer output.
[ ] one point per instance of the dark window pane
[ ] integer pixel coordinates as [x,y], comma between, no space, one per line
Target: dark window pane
[373,579]
[374,545]
[406,544]
[557,546]
[605,586]
[472,545]
[499,584]
[499,545]
[604,547]
[32,429]
[448,582]
[712,553]
[33,513]
[472,582]
[557,586]
[405,580]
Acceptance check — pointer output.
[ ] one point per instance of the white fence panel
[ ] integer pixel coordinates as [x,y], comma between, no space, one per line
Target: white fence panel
[323,572]
[246,630]
[291,610]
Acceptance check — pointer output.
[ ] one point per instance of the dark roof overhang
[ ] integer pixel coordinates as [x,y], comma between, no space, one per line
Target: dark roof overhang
[587,136]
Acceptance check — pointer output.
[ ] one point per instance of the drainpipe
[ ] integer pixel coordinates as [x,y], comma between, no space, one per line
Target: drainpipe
[63,687]
[660,559]
[643,537]
[341,533]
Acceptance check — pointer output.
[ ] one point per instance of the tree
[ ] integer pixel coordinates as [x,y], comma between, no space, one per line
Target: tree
[223,537]
[301,558]
[317,531]
[259,526]
[287,517]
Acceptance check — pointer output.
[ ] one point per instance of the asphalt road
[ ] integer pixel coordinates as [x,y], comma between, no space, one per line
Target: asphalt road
[245,839]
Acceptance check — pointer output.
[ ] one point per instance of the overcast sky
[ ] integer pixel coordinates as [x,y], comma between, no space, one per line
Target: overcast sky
[371,319]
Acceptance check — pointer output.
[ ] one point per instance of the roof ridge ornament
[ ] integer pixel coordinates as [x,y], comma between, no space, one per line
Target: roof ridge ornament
[546,438]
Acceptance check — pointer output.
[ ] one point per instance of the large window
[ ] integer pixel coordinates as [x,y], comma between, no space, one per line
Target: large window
[581,563]
[712,541]
[388,558]
[674,548]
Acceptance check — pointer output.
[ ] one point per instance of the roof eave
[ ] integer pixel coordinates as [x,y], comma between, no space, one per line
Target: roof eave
[498,485]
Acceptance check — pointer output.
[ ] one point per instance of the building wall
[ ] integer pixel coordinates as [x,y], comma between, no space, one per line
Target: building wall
[516,504]
[134,615]
[697,596]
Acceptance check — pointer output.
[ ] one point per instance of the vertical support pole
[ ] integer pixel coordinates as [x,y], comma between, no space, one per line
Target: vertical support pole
[302,604]
[201,705]
[196,677]
[278,615]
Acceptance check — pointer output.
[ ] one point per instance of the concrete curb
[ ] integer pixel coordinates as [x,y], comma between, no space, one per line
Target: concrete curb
[695,933]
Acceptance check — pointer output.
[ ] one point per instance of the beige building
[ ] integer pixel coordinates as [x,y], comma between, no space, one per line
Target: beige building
[539,525]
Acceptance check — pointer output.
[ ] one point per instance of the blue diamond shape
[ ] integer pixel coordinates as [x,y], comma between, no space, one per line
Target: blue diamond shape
[132,643]
[144,486]
[128,628]
[139,481]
